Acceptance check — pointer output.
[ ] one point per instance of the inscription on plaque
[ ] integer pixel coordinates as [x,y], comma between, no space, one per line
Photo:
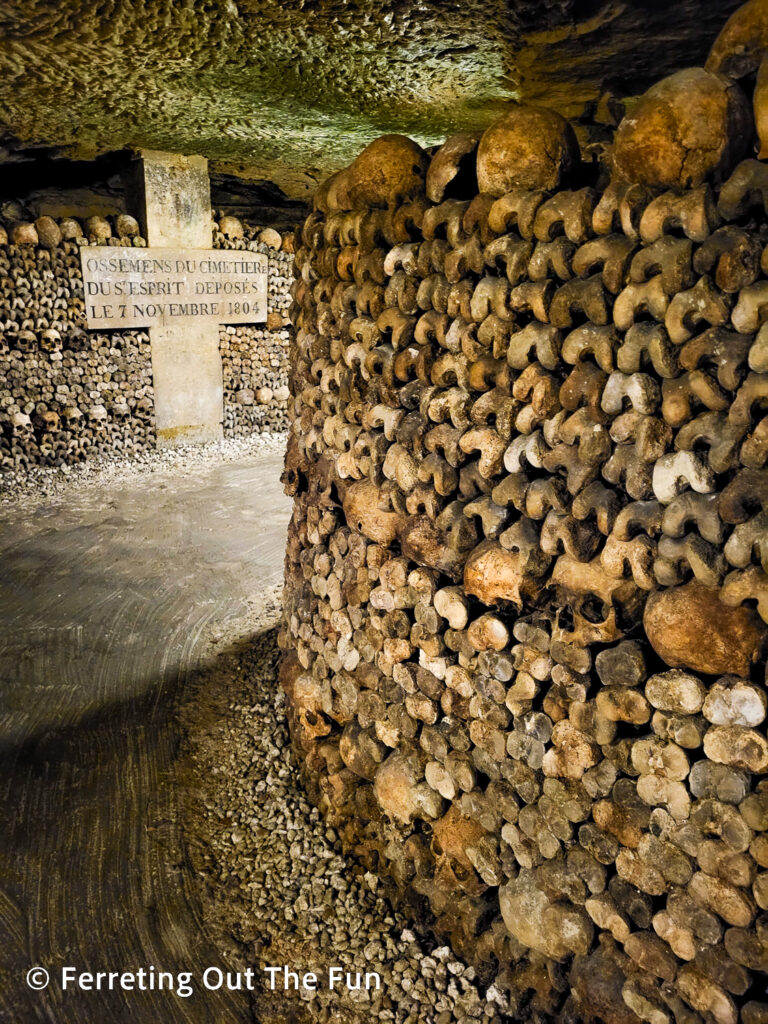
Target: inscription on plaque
[172,287]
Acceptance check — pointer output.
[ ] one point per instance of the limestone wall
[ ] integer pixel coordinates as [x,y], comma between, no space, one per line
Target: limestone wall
[68,394]
[526,578]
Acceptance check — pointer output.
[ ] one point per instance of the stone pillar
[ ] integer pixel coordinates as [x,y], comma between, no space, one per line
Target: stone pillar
[174,199]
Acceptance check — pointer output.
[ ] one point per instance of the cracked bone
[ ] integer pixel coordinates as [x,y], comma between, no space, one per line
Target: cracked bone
[686,129]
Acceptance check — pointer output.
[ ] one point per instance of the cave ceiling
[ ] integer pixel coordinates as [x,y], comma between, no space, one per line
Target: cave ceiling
[289,91]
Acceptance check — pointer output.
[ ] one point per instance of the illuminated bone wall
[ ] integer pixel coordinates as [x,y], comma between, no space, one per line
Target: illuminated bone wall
[255,357]
[68,395]
[524,643]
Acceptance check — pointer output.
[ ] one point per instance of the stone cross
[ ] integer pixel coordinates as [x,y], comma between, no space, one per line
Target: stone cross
[172,194]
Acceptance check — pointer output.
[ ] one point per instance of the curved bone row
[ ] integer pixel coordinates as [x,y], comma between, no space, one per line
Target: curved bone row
[68,394]
[529,461]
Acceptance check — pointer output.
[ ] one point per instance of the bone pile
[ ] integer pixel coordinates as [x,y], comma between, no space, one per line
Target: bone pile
[66,394]
[527,571]
[255,359]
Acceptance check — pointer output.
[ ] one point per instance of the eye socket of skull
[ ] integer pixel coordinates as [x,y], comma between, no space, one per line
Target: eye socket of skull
[594,610]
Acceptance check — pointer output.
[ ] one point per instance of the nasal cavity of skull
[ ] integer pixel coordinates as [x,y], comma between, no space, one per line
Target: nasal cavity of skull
[565,618]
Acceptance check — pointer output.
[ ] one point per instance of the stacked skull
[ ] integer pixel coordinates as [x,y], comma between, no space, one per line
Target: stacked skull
[527,570]
[66,395]
[255,358]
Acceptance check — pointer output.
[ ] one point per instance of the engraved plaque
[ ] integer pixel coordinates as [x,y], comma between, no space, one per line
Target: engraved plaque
[172,287]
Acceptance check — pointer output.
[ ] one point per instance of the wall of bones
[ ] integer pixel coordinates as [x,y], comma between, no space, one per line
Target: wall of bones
[255,359]
[68,394]
[526,579]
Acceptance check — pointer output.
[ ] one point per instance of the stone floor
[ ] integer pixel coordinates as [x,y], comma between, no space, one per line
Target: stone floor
[110,599]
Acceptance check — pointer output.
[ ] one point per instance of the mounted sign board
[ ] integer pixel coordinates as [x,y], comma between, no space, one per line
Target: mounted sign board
[172,287]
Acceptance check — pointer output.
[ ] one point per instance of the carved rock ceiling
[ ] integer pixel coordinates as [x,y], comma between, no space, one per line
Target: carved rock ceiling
[289,91]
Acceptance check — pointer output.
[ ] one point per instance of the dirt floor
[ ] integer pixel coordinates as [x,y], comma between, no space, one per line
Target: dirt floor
[111,597]
[153,810]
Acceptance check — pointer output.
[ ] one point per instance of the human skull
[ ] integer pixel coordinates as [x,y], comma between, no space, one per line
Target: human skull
[451,836]
[98,228]
[50,341]
[528,147]
[48,422]
[98,417]
[26,341]
[592,607]
[689,128]
[71,417]
[391,169]
[21,426]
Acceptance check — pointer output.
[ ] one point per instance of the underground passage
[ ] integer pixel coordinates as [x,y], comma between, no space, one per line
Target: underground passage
[384,512]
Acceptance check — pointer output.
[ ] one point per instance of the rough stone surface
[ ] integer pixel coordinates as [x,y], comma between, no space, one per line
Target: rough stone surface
[175,209]
[277,93]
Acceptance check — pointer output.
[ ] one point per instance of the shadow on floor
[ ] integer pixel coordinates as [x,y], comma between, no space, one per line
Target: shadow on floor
[93,870]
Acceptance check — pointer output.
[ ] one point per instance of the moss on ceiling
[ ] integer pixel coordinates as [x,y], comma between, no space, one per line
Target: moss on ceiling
[289,91]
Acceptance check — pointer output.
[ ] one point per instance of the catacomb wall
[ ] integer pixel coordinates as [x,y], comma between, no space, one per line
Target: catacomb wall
[526,591]
[255,358]
[68,394]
